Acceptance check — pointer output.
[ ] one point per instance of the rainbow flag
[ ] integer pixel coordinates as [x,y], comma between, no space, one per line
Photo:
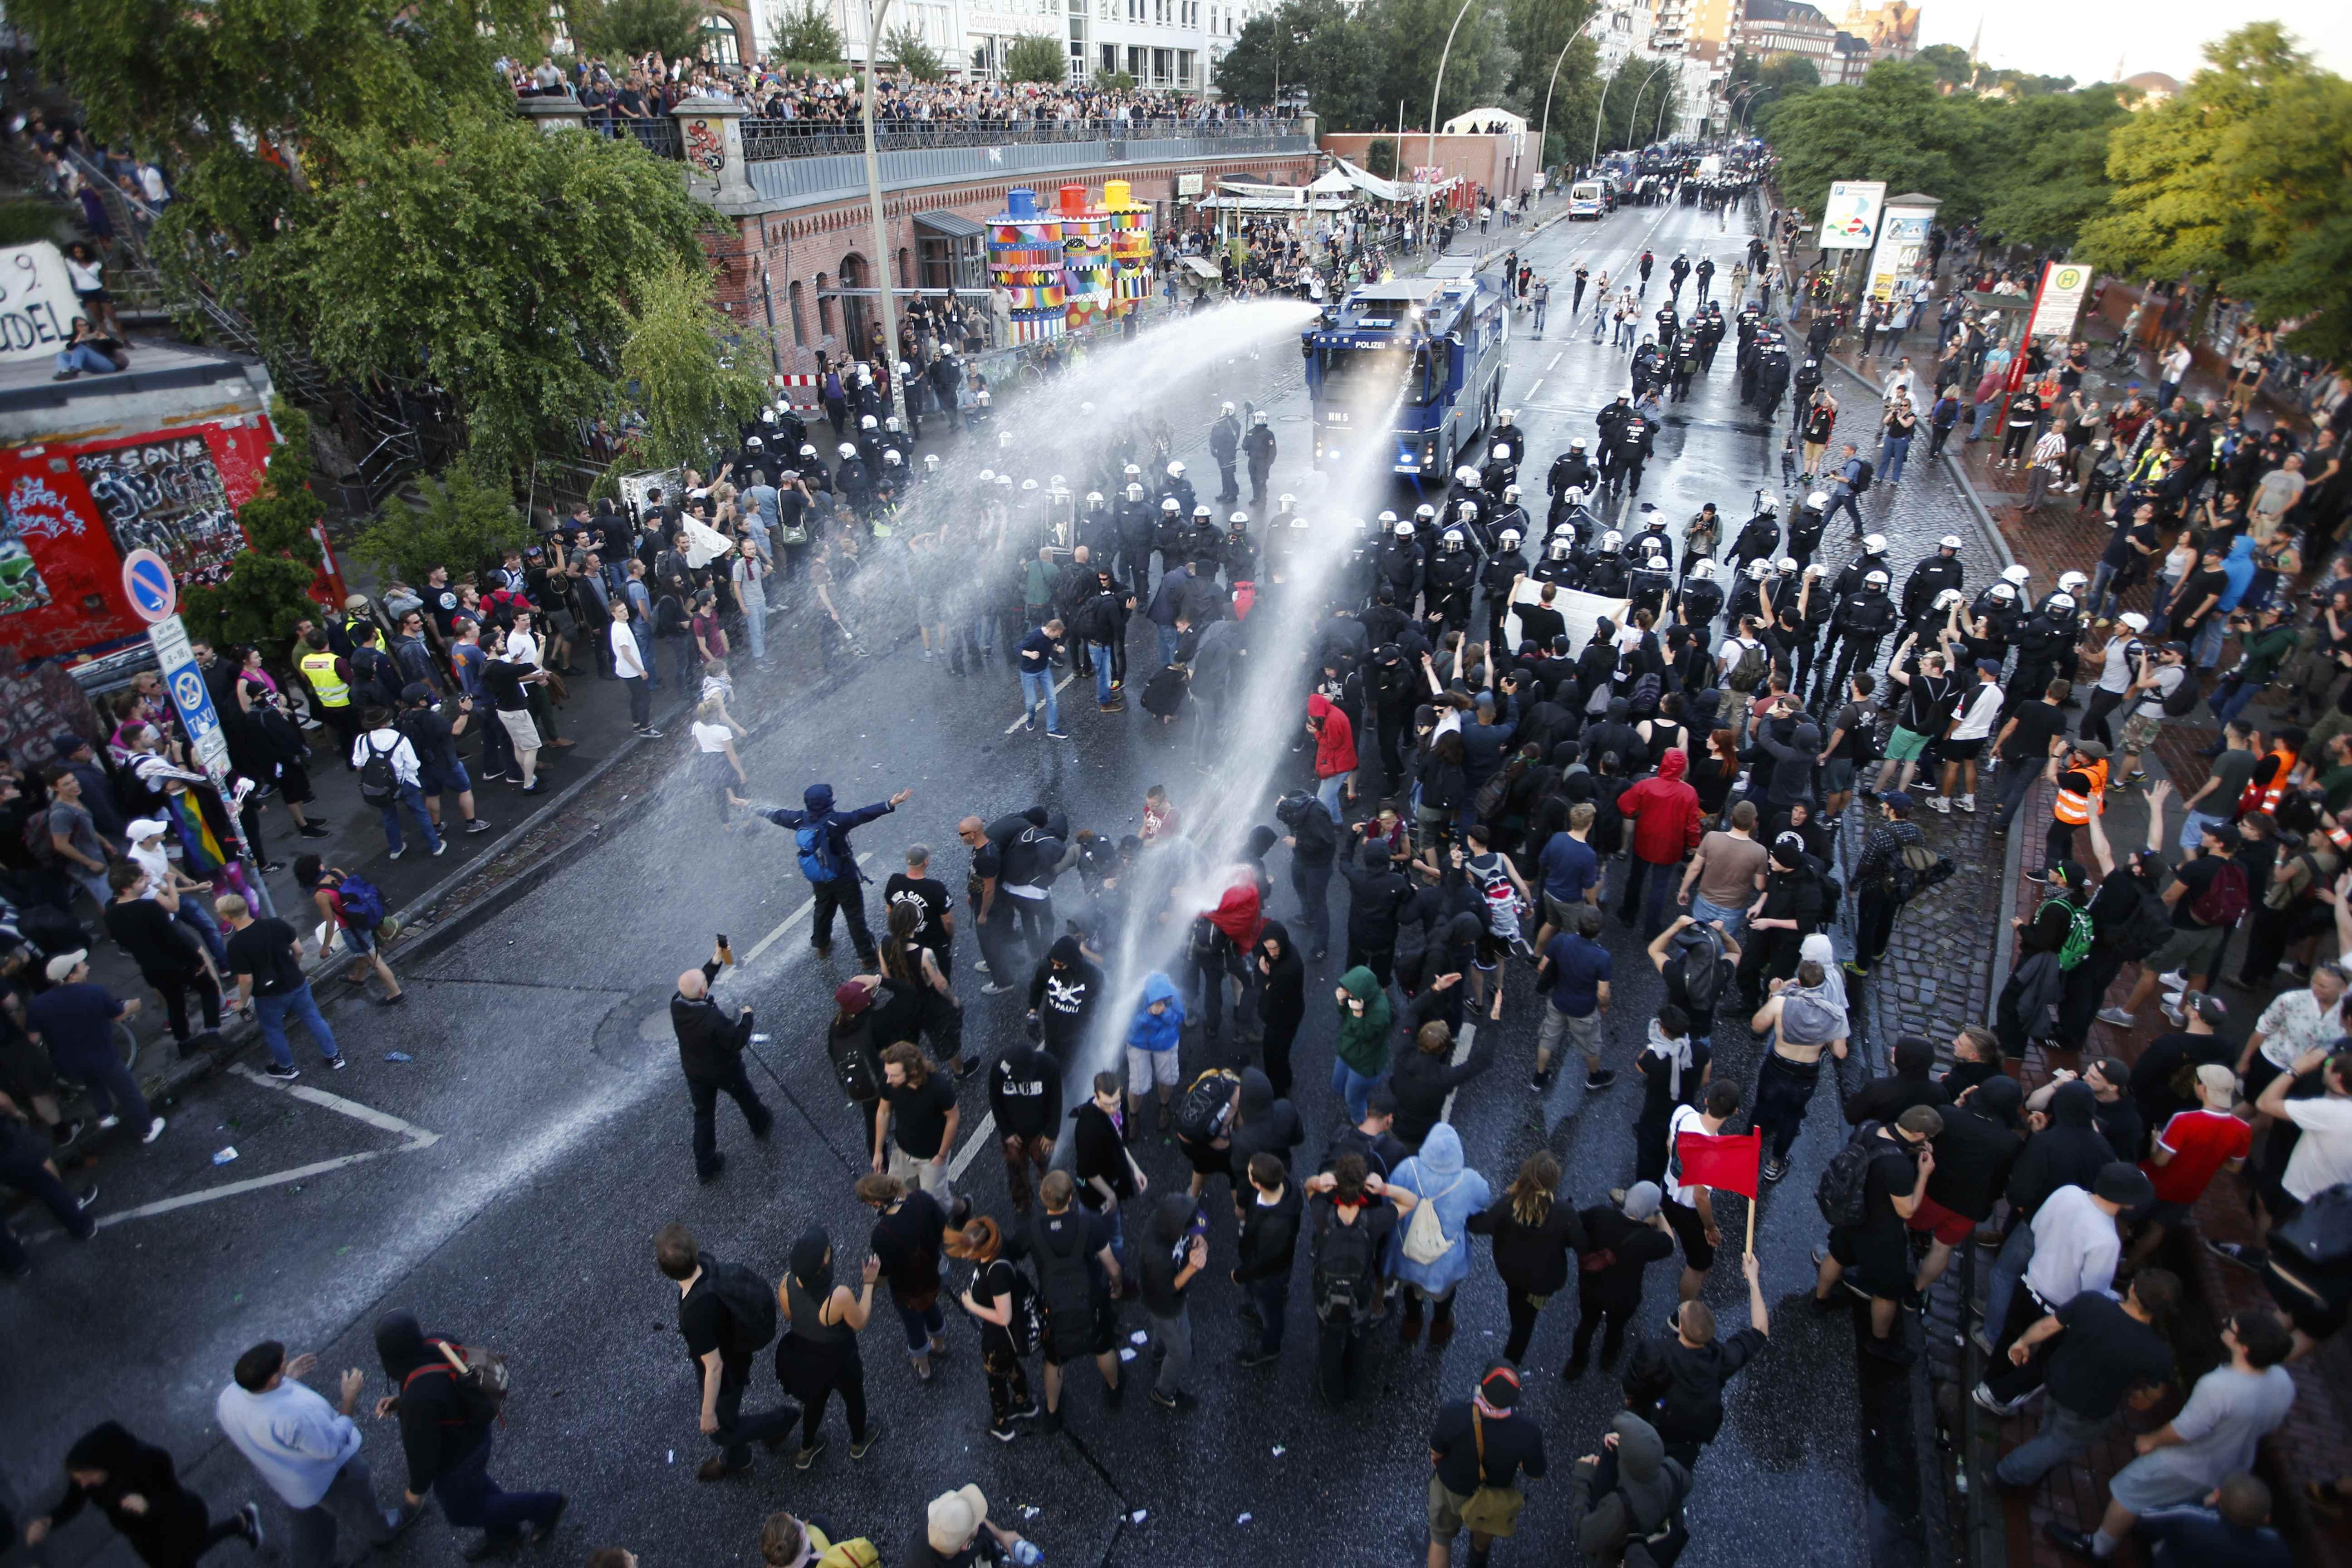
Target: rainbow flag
[203,858]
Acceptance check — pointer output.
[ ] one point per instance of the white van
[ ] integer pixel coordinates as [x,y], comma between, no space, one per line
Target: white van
[1586,199]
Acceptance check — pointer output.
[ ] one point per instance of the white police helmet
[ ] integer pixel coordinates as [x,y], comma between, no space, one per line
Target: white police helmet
[2072,582]
[2016,573]
[1239,519]
[1818,499]
[1451,541]
[1611,539]
[1786,564]
[847,450]
[1757,570]
[2062,601]
[1403,529]
[1874,543]
[1134,492]
[2132,622]
[865,422]
[1509,539]
[1175,470]
[1873,578]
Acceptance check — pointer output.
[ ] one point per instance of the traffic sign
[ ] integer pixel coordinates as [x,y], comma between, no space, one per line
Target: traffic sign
[148,583]
[186,682]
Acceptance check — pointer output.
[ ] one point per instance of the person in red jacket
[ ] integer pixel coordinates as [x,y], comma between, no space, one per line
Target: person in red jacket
[1335,752]
[1664,813]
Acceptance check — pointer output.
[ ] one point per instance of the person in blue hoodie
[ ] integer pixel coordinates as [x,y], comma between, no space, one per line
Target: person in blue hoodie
[1151,1041]
[2238,566]
[1438,1178]
[825,860]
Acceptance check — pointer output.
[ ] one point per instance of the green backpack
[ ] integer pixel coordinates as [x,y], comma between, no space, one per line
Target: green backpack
[2079,936]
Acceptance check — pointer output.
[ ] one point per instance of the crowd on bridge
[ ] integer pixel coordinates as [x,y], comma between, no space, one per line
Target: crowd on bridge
[1740,760]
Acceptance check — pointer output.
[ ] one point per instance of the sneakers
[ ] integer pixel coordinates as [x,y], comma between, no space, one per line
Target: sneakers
[649,733]
[285,1073]
[993,989]
[2036,875]
[248,1516]
[1774,1170]
[858,1445]
[1028,1411]
[476,824]
[441,848]
[809,1456]
[1000,1432]
[1165,1401]
[109,1122]
[2118,1016]
[1987,1400]
[154,1131]
[1540,1082]
[396,854]
[1967,802]
[1942,804]
[1057,734]
[1252,1360]
[2173,980]
[1600,1080]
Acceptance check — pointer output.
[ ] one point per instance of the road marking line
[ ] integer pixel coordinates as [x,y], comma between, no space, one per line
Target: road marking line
[1058,688]
[785,924]
[1531,390]
[419,1138]
[234,1189]
[1554,361]
[985,1132]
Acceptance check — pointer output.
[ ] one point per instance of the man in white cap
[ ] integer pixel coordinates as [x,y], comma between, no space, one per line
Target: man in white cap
[75,1020]
[145,834]
[952,1526]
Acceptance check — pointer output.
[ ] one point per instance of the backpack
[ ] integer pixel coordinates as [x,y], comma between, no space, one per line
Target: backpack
[379,782]
[1647,694]
[2223,901]
[1912,871]
[478,1376]
[1750,670]
[1346,1281]
[856,1064]
[813,843]
[37,843]
[1197,1112]
[363,902]
[1426,1240]
[1840,1193]
[1702,974]
[1862,479]
[2081,936]
[2149,928]
[751,1306]
[1502,899]
[2183,698]
[2320,1234]
[1065,1290]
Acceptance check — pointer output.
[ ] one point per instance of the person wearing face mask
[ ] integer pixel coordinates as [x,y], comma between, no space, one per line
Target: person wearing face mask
[817,1355]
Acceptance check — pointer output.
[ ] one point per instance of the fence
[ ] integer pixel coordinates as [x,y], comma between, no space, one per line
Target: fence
[829,176]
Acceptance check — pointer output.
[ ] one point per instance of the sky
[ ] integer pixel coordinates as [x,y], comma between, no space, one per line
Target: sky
[2082,40]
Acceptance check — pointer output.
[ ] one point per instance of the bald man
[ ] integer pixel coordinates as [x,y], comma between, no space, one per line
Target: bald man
[992,913]
[710,1051]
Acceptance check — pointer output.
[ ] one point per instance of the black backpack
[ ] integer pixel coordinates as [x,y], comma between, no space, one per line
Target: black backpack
[1346,1274]
[2183,698]
[1863,476]
[1197,1112]
[1911,870]
[379,781]
[751,1306]
[2149,928]
[856,1063]
[1840,1193]
[1702,977]
[1064,1289]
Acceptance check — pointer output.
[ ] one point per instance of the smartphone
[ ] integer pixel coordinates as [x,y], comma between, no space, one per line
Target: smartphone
[725,952]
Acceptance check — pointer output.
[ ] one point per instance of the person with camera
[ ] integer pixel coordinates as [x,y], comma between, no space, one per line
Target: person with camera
[710,1048]
[2266,637]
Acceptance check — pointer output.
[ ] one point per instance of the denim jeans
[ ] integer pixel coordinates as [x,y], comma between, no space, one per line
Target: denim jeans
[1352,1087]
[1976,417]
[755,623]
[1733,920]
[2207,651]
[2064,1435]
[2104,601]
[113,1091]
[1662,880]
[410,796]
[1271,1297]
[83,360]
[921,1326]
[2008,1271]
[2231,697]
[1167,643]
[1892,451]
[1036,691]
[271,1013]
[1100,653]
[350,1500]
[200,920]
[2015,779]
[1328,792]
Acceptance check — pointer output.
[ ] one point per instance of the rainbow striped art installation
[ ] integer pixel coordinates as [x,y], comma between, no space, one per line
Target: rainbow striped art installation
[1130,247]
[1025,260]
[1086,259]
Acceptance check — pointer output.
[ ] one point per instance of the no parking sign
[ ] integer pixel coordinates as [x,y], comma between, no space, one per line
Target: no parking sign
[148,583]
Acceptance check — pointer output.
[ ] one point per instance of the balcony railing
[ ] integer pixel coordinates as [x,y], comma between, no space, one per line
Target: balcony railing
[769,141]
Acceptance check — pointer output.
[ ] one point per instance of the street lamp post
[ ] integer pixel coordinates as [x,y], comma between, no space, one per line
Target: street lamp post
[1435,88]
[1633,119]
[873,18]
[1543,137]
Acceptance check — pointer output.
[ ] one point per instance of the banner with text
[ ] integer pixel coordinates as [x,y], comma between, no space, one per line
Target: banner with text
[1849,222]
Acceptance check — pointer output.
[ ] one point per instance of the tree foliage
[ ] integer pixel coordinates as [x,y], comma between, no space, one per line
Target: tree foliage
[1409,40]
[464,522]
[803,32]
[268,582]
[1539,31]
[1034,56]
[686,390]
[905,49]
[1380,157]
[2239,182]
[1321,46]
[626,29]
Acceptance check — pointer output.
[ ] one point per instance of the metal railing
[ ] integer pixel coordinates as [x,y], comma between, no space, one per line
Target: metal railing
[657,135]
[766,140]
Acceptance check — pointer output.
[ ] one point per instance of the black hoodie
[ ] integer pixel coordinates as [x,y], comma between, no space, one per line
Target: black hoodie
[169,1531]
[1024,1093]
[1282,984]
[1378,897]
[1266,1125]
[1063,998]
[435,1429]
[1884,1099]
[1421,1080]
[2066,1153]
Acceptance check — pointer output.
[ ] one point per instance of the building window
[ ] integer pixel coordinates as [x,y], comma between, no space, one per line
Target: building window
[1185,68]
[1162,60]
[1110,60]
[800,327]
[823,309]
[1159,12]
[719,44]
[1135,61]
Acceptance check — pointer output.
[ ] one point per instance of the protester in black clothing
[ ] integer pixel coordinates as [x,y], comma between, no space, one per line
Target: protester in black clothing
[1619,1243]
[1628,1499]
[1371,1140]
[2163,1078]
[1351,1216]
[1378,899]
[725,1315]
[1025,1095]
[2108,1351]
[908,1237]
[710,1051]
[1875,1257]
[1789,908]
[1263,1123]
[1534,1235]
[1281,998]
[1271,1213]
[138,1489]
[1982,1136]
[1478,1443]
[1314,844]
[1424,1077]
[1673,1066]
[444,1431]
[1676,1384]
[1884,1099]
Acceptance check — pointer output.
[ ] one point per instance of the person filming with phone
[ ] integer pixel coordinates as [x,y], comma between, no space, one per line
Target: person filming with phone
[711,1047]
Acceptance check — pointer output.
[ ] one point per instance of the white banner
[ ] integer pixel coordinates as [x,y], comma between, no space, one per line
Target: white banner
[36,301]
[2063,284]
[1851,220]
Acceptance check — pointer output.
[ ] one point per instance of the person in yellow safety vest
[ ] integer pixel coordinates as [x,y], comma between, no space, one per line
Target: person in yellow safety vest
[330,688]
[2080,775]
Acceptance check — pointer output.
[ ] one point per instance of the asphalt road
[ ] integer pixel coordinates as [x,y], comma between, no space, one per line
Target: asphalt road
[505,1182]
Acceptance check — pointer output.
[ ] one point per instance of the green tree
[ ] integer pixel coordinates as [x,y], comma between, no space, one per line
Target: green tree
[1894,126]
[1538,30]
[1320,45]
[804,32]
[1034,56]
[626,30]
[463,260]
[1380,157]
[1412,36]
[1949,62]
[686,390]
[268,582]
[1113,81]
[462,521]
[904,47]
[2043,166]
[2239,182]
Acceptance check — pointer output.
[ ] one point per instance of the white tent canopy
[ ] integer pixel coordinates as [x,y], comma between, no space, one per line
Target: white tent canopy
[1474,122]
[1332,184]
[1372,184]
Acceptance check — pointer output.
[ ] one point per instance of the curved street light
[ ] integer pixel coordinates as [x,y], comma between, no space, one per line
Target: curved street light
[883,272]
[1543,137]
[1732,106]
[1435,88]
[1633,119]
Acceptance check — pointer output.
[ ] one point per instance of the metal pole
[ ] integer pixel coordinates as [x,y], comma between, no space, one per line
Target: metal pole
[1599,117]
[1633,118]
[1438,85]
[874,19]
[1543,137]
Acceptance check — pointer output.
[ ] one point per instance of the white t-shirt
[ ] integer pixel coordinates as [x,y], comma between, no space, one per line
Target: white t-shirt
[628,662]
[1685,1119]
[156,864]
[711,737]
[2322,1155]
[1983,706]
[522,647]
[2116,673]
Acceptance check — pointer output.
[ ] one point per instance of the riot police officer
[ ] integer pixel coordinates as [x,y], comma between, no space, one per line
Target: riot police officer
[1699,599]
[1805,527]
[1497,577]
[1448,579]
[1862,620]
[1635,441]
[1932,577]
[1133,514]
[1605,573]
[1759,536]
[1257,448]
[1224,445]
[1509,436]
[1401,564]
[1571,471]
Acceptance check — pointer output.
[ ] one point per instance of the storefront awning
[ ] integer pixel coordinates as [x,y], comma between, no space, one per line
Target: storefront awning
[954,226]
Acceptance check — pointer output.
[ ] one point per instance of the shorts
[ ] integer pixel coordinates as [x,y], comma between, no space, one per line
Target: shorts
[1145,1068]
[442,775]
[1556,914]
[1837,775]
[1206,1158]
[1870,1266]
[1102,1341]
[1962,751]
[2194,952]
[520,729]
[2314,1318]
[1445,1508]
[1904,745]
[1689,1229]
[2171,1216]
[2139,731]
[359,940]
[1945,1226]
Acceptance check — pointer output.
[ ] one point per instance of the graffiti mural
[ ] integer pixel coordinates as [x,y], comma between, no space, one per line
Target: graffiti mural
[21,587]
[705,145]
[166,496]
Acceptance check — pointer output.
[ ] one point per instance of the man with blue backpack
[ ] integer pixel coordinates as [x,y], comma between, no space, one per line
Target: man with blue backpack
[821,838]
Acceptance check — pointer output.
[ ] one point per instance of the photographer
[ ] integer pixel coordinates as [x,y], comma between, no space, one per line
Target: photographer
[2265,638]
[710,1052]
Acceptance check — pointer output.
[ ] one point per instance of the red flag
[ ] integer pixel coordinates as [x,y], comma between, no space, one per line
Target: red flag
[1727,1163]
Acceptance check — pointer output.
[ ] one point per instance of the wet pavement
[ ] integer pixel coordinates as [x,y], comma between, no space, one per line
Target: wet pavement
[505,1182]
